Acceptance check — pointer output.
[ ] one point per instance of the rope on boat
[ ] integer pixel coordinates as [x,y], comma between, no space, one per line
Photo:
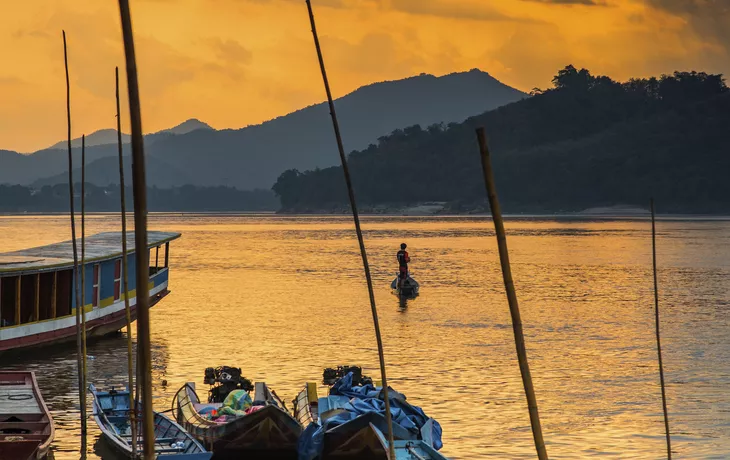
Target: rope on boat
[413,452]
[79,364]
[358,230]
[658,340]
[125,275]
[18,397]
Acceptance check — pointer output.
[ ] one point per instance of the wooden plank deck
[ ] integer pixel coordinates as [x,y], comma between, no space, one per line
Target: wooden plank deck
[18,400]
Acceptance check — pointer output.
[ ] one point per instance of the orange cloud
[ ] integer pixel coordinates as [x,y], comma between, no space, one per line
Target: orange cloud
[237,62]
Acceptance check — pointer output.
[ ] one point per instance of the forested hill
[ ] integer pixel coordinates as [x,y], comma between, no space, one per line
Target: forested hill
[188,198]
[588,141]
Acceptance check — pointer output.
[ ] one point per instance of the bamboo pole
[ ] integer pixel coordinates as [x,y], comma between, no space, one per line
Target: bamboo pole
[79,363]
[511,295]
[139,186]
[358,230]
[658,340]
[83,259]
[125,276]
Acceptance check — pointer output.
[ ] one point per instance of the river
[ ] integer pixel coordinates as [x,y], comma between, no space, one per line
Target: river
[284,297]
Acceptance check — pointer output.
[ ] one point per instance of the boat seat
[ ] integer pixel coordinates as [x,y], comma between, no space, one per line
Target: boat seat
[26,437]
[157,441]
[166,440]
[170,450]
[25,426]
[117,419]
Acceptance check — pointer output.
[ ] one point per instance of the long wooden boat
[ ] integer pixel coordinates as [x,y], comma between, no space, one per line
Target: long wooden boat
[269,432]
[37,299]
[111,413]
[26,425]
[360,437]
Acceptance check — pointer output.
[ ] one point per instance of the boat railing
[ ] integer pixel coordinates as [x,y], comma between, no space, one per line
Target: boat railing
[304,404]
[154,271]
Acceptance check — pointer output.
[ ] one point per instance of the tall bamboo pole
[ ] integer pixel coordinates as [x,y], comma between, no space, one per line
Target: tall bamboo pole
[83,258]
[511,295]
[658,340]
[125,276]
[358,230]
[79,362]
[139,185]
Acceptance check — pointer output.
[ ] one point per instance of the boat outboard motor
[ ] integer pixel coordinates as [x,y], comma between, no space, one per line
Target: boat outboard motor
[223,380]
[331,375]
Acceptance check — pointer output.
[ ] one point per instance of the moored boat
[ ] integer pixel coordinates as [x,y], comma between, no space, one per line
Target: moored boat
[233,425]
[111,413]
[349,423]
[37,299]
[26,425]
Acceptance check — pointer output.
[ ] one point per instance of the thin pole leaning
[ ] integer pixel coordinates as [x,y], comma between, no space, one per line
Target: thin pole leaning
[511,295]
[658,340]
[358,230]
[139,186]
[79,349]
[125,275]
[83,260]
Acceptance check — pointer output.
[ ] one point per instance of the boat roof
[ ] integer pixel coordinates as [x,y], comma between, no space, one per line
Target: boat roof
[102,246]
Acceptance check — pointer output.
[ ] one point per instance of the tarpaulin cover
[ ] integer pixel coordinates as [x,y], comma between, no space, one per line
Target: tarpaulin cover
[235,403]
[363,400]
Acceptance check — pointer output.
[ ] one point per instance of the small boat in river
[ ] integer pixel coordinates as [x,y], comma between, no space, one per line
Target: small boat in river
[37,299]
[349,424]
[408,290]
[111,413]
[233,425]
[26,425]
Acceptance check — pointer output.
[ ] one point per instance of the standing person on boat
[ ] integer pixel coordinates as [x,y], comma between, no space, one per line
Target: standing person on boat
[403,259]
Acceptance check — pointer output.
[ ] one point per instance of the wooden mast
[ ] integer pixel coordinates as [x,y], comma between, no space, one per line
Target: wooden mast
[79,359]
[511,295]
[658,340]
[139,185]
[358,230]
[125,276]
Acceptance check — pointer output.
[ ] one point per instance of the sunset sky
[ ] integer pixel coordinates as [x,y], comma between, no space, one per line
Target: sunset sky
[232,63]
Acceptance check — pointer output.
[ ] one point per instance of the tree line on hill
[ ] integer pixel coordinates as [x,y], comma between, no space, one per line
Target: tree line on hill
[587,141]
[55,198]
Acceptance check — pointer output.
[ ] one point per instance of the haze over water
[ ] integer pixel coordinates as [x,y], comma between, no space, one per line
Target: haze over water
[284,297]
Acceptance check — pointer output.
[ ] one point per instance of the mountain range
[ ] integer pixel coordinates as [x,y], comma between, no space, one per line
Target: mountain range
[589,141]
[254,156]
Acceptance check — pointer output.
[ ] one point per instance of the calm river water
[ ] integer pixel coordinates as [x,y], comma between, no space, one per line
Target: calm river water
[284,297]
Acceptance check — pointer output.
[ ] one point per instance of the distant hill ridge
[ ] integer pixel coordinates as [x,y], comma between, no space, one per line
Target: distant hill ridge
[109,136]
[254,156]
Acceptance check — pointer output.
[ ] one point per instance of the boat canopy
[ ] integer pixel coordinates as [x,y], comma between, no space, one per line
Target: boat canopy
[102,246]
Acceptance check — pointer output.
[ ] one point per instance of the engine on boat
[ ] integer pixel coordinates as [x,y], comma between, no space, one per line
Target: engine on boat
[331,375]
[223,380]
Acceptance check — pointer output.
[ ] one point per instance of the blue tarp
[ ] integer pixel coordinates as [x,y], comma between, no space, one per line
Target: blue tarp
[359,400]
